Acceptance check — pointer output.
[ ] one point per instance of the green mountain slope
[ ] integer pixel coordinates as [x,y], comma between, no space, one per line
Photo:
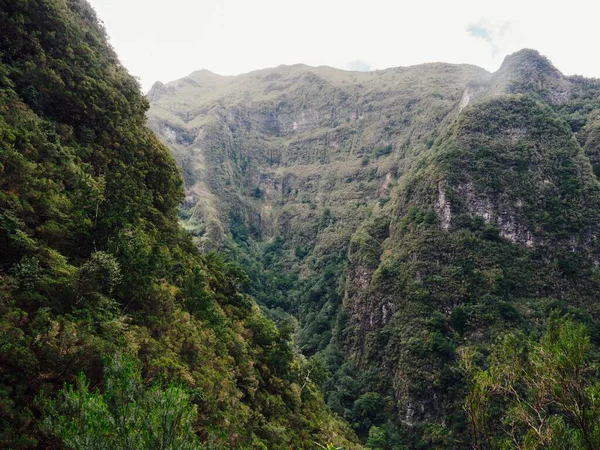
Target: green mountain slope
[297,157]
[93,262]
[400,215]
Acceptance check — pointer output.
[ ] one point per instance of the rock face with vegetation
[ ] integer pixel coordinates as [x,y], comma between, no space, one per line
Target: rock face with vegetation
[115,332]
[409,257]
[402,217]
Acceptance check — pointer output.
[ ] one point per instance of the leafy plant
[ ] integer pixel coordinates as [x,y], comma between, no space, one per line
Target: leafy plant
[536,393]
[126,415]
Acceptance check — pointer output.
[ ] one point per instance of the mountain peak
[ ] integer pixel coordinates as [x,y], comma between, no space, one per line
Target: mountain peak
[157,90]
[529,72]
[528,60]
[204,72]
[204,75]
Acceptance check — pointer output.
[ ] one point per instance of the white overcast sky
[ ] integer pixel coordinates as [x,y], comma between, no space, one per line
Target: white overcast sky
[165,40]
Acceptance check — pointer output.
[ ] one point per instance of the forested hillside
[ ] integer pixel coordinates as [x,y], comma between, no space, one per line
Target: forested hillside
[408,219]
[399,259]
[115,332]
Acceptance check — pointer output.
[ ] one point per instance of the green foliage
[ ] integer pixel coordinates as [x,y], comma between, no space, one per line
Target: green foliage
[536,393]
[127,415]
[328,446]
[93,263]
[367,409]
[488,232]
[377,439]
[382,151]
[492,222]
[100,274]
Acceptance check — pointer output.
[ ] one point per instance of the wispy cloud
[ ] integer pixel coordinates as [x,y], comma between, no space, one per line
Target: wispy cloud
[490,32]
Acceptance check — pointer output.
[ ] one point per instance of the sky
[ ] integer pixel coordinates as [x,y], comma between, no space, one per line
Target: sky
[168,39]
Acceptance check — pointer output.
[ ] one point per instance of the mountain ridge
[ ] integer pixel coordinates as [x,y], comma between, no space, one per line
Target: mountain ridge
[399,216]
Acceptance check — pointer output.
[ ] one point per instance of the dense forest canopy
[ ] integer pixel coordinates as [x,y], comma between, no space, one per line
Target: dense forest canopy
[399,259]
[402,217]
[100,287]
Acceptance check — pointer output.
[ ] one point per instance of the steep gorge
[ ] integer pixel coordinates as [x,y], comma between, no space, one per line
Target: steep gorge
[399,215]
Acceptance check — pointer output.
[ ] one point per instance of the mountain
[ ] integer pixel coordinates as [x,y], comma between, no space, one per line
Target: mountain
[401,216]
[101,288]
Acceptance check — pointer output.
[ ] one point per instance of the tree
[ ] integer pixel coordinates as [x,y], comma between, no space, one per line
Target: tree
[367,410]
[543,393]
[126,416]
[377,439]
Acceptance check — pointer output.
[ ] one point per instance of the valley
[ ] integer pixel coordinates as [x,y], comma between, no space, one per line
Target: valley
[295,257]
[397,216]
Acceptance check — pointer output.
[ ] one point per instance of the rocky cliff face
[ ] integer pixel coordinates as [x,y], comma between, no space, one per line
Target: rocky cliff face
[398,214]
[307,137]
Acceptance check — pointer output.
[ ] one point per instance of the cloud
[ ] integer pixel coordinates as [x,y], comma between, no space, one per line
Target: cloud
[479,31]
[490,32]
[359,65]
